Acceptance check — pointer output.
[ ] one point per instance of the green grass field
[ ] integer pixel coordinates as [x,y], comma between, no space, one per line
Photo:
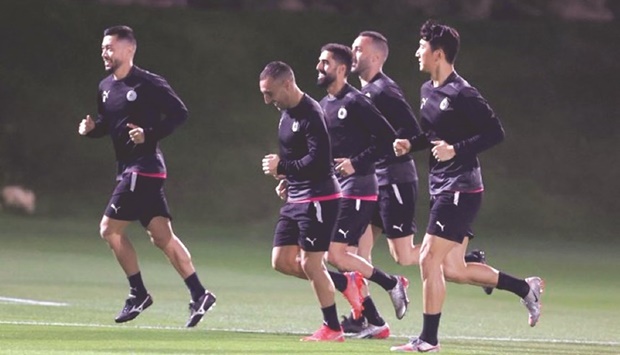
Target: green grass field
[262,312]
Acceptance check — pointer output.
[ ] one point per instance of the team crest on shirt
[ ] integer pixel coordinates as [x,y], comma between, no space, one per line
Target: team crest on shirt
[444,104]
[131,95]
[295,126]
[104,95]
[423,102]
[342,113]
[367,95]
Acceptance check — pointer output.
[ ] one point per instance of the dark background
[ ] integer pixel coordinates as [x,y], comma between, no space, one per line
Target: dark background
[552,82]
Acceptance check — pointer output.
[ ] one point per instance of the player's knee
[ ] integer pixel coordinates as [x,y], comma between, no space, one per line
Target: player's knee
[107,233]
[161,241]
[282,266]
[428,262]
[398,258]
[336,260]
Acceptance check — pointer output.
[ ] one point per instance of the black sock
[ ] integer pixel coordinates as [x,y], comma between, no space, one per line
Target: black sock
[137,286]
[330,317]
[517,286]
[430,328]
[382,279]
[370,312]
[195,287]
[340,281]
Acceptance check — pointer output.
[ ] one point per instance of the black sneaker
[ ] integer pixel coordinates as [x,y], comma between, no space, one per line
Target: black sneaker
[133,307]
[199,308]
[479,256]
[353,326]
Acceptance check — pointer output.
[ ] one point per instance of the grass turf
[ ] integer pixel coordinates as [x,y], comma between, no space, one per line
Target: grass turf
[262,312]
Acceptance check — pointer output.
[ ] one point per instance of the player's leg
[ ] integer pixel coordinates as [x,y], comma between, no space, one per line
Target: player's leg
[457,270]
[529,290]
[138,300]
[317,226]
[397,209]
[286,259]
[113,232]
[156,218]
[123,208]
[450,219]
[351,324]
[285,254]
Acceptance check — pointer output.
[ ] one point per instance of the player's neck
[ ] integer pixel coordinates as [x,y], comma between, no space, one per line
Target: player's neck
[296,97]
[123,71]
[336,87]
[441,74]
[367,76]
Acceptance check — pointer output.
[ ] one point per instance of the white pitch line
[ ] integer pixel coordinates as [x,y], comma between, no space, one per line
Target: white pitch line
[32,302]
[237,330]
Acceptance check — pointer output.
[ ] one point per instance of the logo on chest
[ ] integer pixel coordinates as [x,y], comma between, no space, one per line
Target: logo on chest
[295,126]
[444,105]
[104,95]
[342,113]
[132,95]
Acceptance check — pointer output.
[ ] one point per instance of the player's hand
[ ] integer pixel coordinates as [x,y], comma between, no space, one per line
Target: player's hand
[401,147]
[282,189]
[136,134]
[443,151]
[270,165]
[87,125]
[344,167]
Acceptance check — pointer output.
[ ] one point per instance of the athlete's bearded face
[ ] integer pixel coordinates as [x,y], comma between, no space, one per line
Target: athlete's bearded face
[115,53]
[362,51]
[326,69]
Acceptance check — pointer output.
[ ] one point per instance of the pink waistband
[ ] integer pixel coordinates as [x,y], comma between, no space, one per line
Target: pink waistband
[317,198]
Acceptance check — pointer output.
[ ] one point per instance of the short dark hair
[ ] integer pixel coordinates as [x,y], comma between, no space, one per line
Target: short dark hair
[277,70]
[342,54]
[441,37]
[121,32]
[378,40]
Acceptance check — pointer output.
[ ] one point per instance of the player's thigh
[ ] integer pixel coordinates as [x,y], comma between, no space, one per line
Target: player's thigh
[353,219]
[317,224]
[153,202]
[160,229]
[452,214]
[397,209]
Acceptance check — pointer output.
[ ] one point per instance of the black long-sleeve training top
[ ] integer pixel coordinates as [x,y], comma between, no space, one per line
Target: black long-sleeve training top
[145,100]
[305,153]
[455,112]
[390,100]
[359,132]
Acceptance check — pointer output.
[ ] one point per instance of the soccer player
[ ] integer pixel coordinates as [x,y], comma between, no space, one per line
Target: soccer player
[131,103]
[359,135]
[397,176]
[457,124]
[304,167]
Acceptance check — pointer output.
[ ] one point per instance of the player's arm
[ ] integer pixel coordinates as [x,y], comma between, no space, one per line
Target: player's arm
[318,149]
[173,109]
[403,146]
[393,105]
[94,128]
[382,132]
[481,116]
